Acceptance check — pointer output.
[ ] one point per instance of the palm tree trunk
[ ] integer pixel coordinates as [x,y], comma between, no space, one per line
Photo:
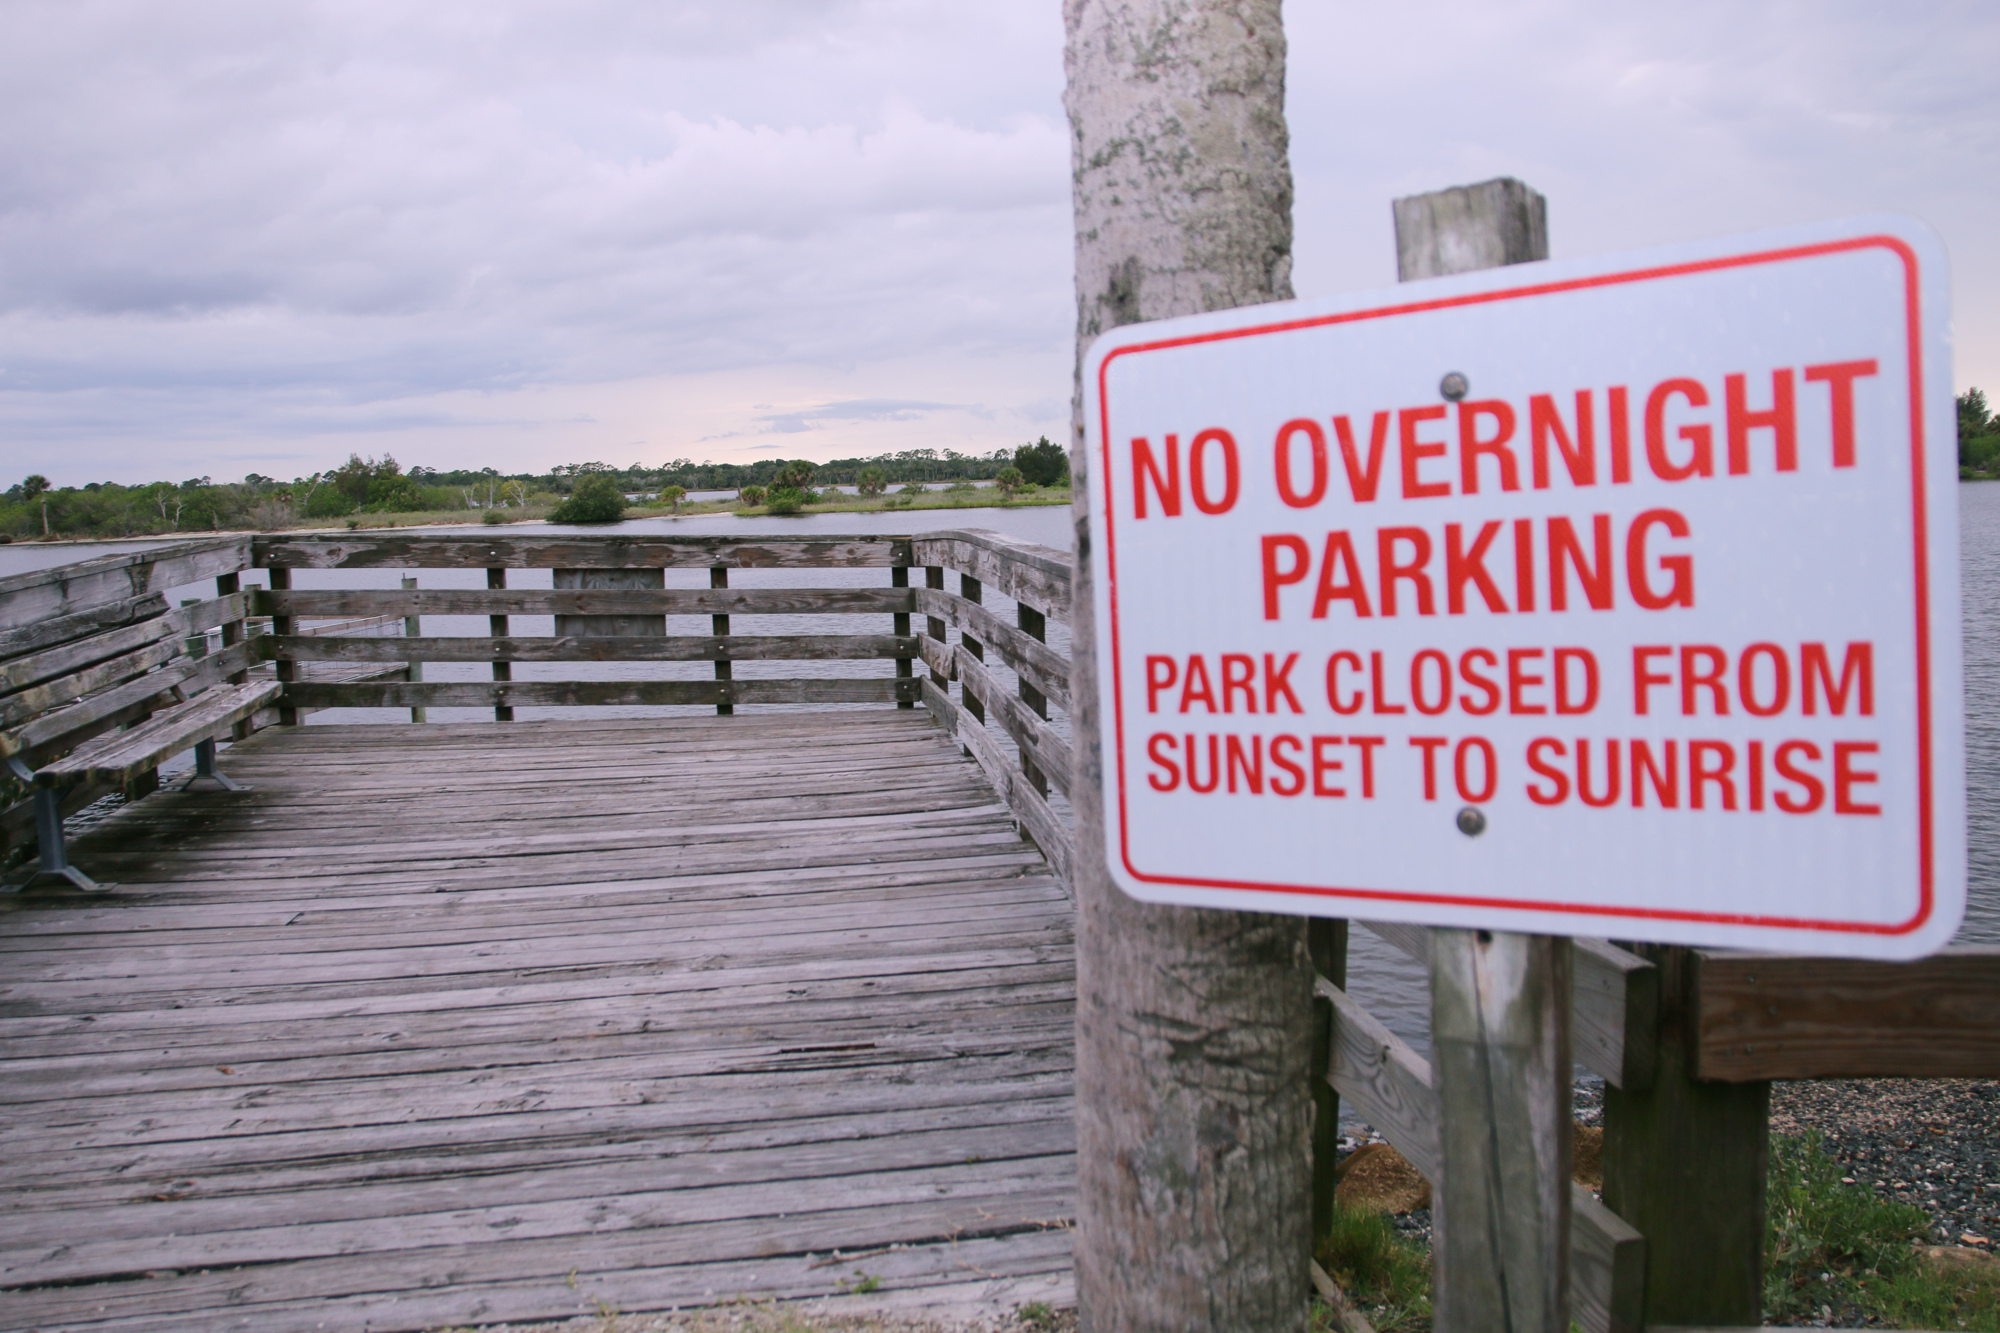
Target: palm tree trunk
[1194,1114]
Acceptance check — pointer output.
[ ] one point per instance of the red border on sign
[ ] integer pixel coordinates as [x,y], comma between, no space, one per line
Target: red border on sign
[1920,554]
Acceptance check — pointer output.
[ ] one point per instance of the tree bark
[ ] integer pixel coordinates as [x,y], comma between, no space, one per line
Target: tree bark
[1193,1027]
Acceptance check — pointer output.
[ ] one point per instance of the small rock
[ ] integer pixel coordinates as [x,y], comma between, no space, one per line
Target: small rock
[1377,1176]
[1961,1259]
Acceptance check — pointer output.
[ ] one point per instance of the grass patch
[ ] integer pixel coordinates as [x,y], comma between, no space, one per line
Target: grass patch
[1386,1276]
[1830,1246]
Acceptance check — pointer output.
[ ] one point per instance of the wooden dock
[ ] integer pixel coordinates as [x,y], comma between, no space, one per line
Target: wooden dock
[447,1025]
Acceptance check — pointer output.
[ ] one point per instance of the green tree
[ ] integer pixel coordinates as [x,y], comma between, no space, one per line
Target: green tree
[751,495]
[872,481]
[1043,463]
[34,484]
[673,495]
[1009,480]
[596,499]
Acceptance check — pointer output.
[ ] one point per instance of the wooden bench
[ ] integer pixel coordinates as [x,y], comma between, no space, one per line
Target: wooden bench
[97,696]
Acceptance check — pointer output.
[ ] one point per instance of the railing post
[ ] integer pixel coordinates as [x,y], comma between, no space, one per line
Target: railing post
[1036,626]
[413,629]
[718,577]
[1326,940]
[1684,1162]
[228,585]
[496,626]
[282,627]
[970,589]
[899,577]
[934,625]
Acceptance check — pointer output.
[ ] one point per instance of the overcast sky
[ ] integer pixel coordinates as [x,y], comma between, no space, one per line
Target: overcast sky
[257,236]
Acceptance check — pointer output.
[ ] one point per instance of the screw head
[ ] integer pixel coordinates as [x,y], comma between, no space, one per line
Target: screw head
[1471,821]
[1454,386]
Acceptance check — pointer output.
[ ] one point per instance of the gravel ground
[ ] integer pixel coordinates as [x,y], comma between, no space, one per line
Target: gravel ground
[1931,1142]
[1934,1143]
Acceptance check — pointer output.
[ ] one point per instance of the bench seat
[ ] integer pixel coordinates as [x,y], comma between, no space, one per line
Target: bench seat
[121,756]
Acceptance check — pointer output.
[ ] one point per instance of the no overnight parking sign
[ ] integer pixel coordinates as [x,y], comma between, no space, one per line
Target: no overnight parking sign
[1613,597]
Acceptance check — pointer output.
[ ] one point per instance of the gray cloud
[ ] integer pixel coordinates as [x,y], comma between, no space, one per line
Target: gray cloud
[228,226]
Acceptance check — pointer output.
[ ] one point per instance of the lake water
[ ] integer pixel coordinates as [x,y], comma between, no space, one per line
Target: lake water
[1380,976]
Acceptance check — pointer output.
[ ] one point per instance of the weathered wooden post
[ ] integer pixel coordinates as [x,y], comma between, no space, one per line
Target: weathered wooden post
[1685,1161]
[413,627]
[496,626]
[1193,1027]
[1500,1001]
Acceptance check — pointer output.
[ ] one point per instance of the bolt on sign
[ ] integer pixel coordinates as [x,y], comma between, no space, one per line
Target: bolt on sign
[1613,597]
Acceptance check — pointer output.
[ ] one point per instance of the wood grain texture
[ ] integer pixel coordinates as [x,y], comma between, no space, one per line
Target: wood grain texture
[677,648]
[576,551]
[334,603]
[1780,1016]
[1025,571]
[111,580]
[590,693]
[447,1024]
[1037,820]
[120,757]
[1036,662]
[1389,1086]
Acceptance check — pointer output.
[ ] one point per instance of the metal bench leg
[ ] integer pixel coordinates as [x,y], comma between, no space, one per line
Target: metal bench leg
[204,768]
[54,852]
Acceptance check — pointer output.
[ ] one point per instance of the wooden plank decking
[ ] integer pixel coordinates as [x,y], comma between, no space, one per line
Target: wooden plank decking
[448,1025]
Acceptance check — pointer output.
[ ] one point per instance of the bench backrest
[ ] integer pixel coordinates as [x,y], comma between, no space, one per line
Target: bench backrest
[90,647]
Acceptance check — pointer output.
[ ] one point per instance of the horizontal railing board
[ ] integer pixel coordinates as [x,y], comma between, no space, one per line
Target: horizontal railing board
[1025,571]
[1038,742]
[1389,1085]
[592,693]
[1037,663]
[63,629]
[65,659]
[674,648]
[71,589]
[370,551]
[1027,804]
[337,602]
[1615,1003]
[1792,1016]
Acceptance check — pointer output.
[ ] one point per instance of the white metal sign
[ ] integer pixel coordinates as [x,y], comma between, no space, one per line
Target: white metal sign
[1616,597]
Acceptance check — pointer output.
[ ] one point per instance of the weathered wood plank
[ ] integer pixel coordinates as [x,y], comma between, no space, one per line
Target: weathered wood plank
[1026,571]
[574,551]
[34,668]
[1785,1016]
[1616,1003]
[1036,662]
[678,648]
[1389,1085]
[36,699]
[574,693]
[62,629]
[69,590]
[1040,822]
[1039,744]
[333,603]
[118,758]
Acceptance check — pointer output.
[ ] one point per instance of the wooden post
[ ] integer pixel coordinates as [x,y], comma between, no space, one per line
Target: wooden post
[1684,1162]
[1193,1028]
[1500,1002]
[1036,626]
[413,628]
[1326,941]
[1500,1056]
[497,627]
[970,589]
[227,585]
[287,670]
[934,626]
[899,577]
[718,577]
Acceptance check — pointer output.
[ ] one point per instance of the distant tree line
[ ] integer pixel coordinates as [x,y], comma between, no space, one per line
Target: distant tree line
[363,486]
